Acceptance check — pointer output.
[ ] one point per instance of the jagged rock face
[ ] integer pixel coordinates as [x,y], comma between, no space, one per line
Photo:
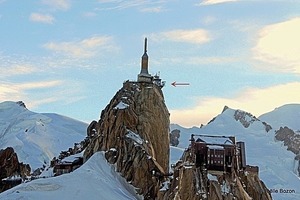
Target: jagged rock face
[21,103]
[247,119]
[290,139]
[10,166]
[134,132]
[174,137]
[297,163]
[195,183]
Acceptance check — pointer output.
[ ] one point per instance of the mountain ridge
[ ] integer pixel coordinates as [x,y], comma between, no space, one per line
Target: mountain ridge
[37,137]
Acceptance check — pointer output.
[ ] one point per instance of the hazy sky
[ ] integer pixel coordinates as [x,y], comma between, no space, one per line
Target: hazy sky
[71,56]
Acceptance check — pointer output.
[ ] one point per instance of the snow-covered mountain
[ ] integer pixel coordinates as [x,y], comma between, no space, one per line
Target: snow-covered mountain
[287,115]
[37,137]
[276,164]
[96,179]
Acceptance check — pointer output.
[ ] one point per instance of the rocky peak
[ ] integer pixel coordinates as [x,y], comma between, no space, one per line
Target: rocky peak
[245,118]
[133,130]
[11,171]
[225,108]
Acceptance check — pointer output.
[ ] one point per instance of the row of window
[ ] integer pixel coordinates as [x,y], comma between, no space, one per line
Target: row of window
[216,155]
[64,171]
[215,162]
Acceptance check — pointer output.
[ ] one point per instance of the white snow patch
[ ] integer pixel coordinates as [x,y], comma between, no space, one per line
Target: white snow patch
[134,136]
[212,177]
[72,158]
[165,186]
[121,106]
[113,149]
[215,147]
[225,188]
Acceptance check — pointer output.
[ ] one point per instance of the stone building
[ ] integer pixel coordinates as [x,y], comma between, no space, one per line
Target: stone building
[220,153]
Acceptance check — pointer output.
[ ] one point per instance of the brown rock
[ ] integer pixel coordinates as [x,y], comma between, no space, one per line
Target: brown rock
[10,166]
[133,130]
[174,137]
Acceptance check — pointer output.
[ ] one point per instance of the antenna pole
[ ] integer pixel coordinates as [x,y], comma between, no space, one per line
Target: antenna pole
[145,50]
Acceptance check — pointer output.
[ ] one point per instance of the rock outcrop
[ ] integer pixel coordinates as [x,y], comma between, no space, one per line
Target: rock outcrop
[246,119]
[197,183]
[174,137]
[11,171]
[133,130]
[290,139]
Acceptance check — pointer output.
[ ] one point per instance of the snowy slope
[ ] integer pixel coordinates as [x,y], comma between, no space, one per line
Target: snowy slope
[36,137]
[94,180]
[274,161]
[287,115]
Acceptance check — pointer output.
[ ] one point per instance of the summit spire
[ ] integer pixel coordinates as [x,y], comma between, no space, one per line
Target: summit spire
[144,75]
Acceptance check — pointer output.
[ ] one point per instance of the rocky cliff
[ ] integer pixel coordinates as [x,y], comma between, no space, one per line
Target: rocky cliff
[11,171]
[291,139]
[133,130]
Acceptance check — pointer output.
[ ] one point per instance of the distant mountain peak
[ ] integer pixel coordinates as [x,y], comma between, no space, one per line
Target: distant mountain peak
[286,115]
[225,108]
[246,119]
[36,137]
[21,103]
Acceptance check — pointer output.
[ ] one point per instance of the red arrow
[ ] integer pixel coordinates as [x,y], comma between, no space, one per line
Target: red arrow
[175,84]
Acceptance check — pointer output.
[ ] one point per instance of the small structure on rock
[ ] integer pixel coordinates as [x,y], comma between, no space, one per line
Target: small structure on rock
[144,75]
[214,167]
[219,153]
[68,164]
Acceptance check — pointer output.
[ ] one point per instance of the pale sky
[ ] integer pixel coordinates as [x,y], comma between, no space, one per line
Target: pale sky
[71,57]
